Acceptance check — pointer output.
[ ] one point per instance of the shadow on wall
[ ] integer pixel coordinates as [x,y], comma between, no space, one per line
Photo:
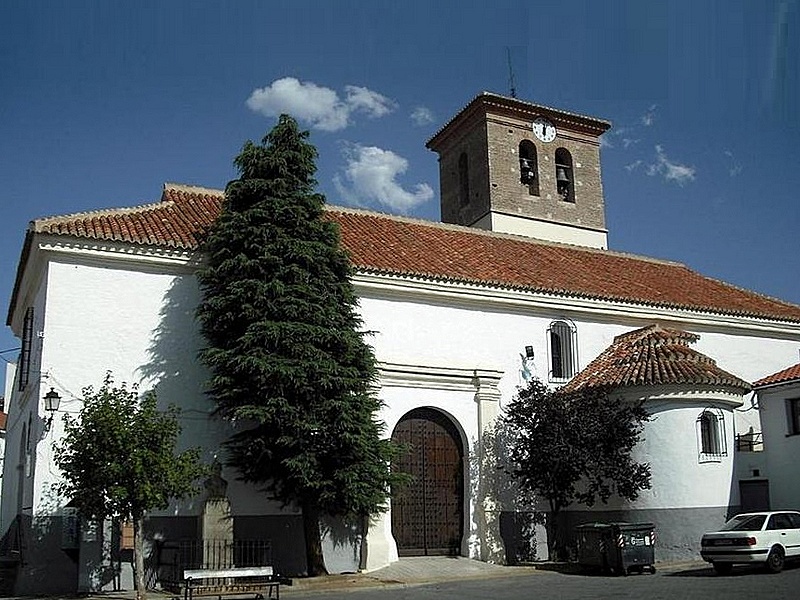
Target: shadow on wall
[342,544]
[174,368]
[179,378]
[506,517]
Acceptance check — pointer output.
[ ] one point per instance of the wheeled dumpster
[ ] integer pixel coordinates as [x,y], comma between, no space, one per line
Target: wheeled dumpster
[617,547]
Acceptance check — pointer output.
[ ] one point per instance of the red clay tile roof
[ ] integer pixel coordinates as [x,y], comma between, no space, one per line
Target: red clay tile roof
[652,356]
[380,243]
[785,376]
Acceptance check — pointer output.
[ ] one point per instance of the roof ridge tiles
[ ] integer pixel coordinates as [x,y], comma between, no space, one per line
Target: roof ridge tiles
[190,187]
[38,224]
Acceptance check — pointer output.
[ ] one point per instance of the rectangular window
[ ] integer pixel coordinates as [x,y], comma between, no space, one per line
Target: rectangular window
[25,353]
[794,416]
[563,351]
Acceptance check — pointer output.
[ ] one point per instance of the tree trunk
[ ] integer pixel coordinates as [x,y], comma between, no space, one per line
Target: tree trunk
[313,536]
[138,556]
[554,545]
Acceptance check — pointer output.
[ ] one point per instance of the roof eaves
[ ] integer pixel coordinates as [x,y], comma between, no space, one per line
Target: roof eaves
[23,260]
[565,293]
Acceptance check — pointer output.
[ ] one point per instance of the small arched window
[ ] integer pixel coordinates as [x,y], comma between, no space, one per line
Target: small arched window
[529,166]
[565,176]
[562,343]
[711,434]
[463,180]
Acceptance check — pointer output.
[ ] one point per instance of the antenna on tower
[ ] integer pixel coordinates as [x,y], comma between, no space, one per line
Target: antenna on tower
[511,84]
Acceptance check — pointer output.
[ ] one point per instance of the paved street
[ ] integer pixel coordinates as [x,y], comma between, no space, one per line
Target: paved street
[696,581]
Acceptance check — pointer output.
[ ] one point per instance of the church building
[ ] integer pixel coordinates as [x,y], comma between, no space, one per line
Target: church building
[517,281]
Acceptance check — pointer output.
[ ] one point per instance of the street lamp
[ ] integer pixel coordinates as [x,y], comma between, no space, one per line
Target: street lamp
[51,403]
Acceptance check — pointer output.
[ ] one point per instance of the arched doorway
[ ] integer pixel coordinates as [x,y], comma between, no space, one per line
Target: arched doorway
[428,513]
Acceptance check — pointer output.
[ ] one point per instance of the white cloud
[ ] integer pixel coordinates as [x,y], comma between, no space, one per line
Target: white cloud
[671,171]
[628,142]
[372,103]
[421,116]
[735,167]
[370,176]
[318,106]
[633,166]
[650,116]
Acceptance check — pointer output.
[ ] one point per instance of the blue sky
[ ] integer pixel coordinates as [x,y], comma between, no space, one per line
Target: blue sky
[102,102]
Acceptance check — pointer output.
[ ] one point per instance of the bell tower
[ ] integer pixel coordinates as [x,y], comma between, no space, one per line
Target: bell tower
[515,167]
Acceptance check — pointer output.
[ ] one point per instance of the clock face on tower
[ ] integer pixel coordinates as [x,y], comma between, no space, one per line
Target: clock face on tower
[544,129]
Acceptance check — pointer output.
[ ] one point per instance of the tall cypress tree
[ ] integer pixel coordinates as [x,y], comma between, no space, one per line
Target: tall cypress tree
[285,347]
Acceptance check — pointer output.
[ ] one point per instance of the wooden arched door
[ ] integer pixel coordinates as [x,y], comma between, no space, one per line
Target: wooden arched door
[428,513]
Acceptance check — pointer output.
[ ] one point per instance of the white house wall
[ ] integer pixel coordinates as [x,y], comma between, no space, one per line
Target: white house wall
[783,448]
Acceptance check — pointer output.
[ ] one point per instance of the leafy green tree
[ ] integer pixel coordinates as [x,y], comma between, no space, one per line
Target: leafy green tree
[119,461]
[285,346]
[574,448]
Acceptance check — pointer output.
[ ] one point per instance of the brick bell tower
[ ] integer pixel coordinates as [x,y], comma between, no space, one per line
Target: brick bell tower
[515,167]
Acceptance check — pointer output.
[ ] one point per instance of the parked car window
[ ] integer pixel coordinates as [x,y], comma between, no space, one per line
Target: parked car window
[745,523]
[779,521]
[795,520]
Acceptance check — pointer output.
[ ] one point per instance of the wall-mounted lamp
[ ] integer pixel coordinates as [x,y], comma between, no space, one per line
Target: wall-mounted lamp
[528,351]
[51,403]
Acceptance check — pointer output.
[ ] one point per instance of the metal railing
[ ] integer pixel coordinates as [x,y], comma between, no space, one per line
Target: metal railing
[175,557]
[752,441]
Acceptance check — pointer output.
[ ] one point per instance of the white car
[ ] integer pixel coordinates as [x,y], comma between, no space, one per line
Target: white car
[764,537]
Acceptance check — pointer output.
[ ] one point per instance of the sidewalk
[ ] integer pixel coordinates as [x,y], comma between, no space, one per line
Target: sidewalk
[411,572]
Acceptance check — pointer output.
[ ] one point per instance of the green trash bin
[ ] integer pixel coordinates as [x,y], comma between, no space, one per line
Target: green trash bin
[617,547]
[632,548]
[592,541]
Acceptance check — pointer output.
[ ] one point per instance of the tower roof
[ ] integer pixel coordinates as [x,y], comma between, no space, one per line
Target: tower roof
[488,102]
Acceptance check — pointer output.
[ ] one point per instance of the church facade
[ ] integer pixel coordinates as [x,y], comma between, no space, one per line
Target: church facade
[516,282]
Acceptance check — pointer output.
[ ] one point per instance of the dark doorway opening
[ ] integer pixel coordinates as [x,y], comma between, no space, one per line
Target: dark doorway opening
[754,495]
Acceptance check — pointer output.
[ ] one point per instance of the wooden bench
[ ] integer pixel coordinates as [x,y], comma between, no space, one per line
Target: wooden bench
[235,581]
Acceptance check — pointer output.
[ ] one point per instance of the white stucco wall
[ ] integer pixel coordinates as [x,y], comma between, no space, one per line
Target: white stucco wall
[26,417]
[140,325]
[682,477]
[469,332]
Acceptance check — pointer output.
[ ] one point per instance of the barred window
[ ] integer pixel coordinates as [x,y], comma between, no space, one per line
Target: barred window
[25,353]
[711,434]
[563,350]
